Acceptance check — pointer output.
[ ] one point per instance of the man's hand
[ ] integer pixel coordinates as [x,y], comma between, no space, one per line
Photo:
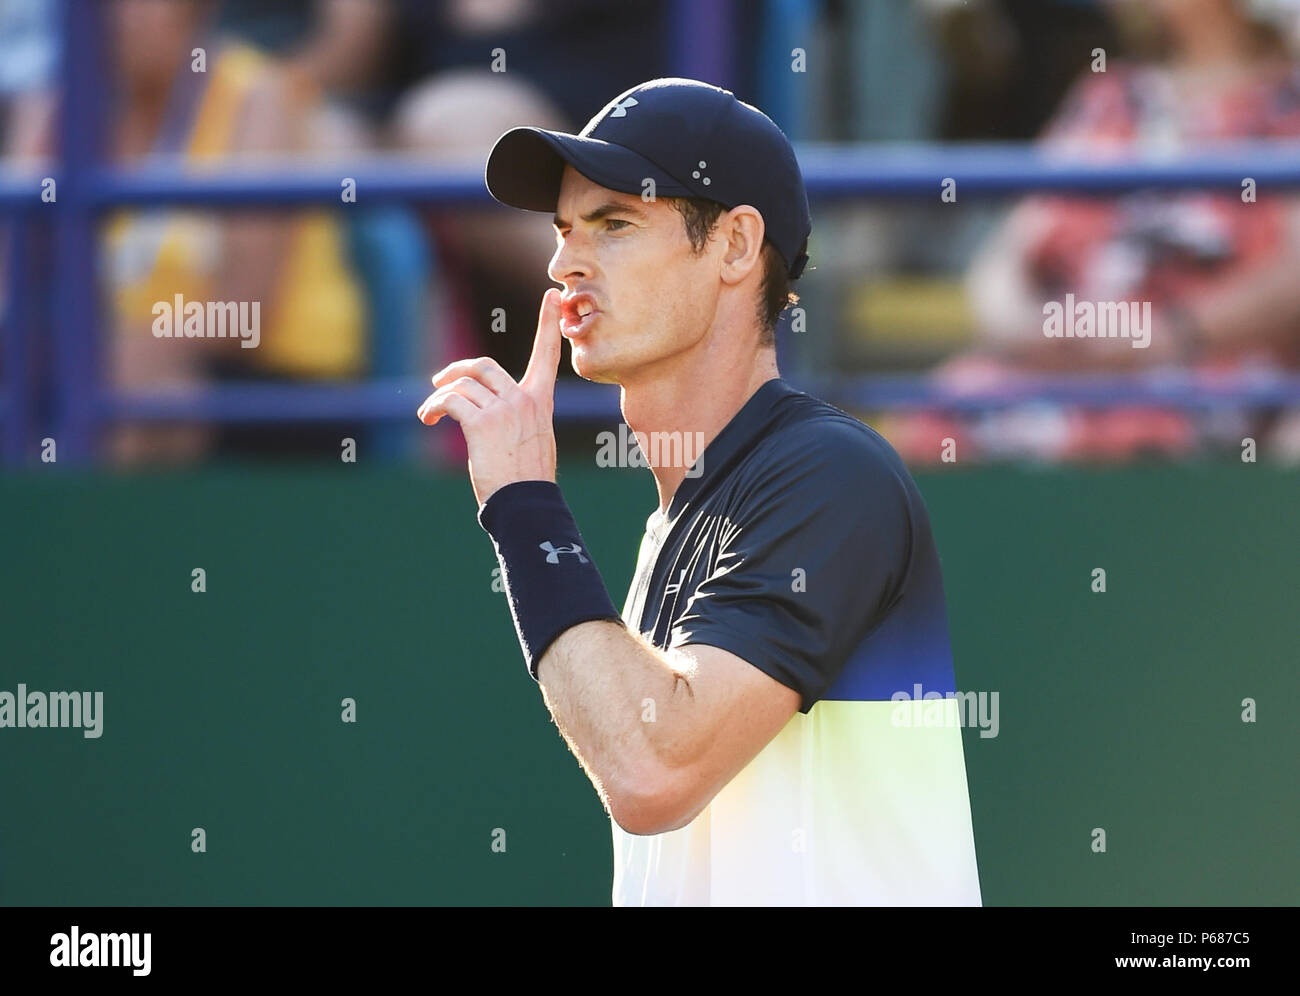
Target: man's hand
[507,425]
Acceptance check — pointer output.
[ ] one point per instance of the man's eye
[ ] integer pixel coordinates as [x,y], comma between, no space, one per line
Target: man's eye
[616,221]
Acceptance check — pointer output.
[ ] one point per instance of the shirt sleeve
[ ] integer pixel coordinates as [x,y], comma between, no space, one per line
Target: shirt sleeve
[816,552]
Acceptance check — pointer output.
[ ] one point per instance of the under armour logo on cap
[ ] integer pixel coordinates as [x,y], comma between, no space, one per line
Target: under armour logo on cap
[620,108]
[553,552]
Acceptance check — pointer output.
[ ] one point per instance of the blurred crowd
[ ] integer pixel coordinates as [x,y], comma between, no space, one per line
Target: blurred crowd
[1217,268]
[349,294]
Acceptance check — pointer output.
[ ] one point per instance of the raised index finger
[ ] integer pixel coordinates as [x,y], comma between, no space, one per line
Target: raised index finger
[544,362]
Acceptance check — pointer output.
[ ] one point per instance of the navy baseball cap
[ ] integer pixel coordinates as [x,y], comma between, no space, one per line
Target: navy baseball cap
[691,138]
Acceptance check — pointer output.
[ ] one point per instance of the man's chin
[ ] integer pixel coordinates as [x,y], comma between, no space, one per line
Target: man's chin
[598,378]
[586,366]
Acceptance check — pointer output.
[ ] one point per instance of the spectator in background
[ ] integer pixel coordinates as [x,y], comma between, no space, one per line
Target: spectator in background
[241,106]
[339,45]
[1009,62]
[27,61]
[1220,273]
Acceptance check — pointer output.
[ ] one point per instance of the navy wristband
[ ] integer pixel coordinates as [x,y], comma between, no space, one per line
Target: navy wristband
[550,579]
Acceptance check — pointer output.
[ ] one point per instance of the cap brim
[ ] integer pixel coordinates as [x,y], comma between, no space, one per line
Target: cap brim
[526,166]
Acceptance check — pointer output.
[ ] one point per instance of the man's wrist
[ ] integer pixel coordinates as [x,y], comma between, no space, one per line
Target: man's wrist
[504,496]
[550,579]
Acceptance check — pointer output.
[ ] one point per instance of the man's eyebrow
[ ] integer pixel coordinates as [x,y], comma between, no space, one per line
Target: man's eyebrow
[609,207]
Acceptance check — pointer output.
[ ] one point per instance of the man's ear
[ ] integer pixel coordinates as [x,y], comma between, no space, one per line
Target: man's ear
[742,229]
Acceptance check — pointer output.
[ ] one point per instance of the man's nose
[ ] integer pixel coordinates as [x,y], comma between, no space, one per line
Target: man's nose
[572,259]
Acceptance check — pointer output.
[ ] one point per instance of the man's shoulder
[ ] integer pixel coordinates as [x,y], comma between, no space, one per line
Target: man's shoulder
[825,442]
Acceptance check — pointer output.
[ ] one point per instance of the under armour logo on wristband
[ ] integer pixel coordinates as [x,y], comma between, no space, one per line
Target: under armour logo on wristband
[553,552]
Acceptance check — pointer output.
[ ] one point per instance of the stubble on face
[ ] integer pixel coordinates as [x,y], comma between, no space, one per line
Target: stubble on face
[655,296]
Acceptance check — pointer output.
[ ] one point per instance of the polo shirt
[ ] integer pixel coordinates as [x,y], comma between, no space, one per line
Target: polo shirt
[800,543]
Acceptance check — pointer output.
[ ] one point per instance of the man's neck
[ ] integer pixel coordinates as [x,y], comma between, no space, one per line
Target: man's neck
[696,406]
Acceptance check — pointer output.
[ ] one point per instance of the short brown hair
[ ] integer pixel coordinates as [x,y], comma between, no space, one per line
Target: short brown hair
[701,216]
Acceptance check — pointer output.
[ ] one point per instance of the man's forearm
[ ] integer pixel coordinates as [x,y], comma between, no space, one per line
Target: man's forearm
[626,708]
[620,704]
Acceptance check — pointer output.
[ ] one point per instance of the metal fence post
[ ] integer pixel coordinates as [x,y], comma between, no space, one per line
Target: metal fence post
[83,83]
[702,40]
[17,364]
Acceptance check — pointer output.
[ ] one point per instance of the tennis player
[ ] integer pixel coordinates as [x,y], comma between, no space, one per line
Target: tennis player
[737,717]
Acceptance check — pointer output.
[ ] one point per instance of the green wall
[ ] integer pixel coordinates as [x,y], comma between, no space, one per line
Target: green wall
[222,710]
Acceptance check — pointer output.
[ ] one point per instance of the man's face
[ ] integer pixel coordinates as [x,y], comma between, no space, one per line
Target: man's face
[631,261]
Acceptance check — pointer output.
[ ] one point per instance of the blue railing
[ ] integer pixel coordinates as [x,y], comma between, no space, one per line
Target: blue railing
[86,187]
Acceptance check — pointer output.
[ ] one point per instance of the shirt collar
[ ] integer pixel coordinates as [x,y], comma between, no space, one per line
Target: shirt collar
[731,443]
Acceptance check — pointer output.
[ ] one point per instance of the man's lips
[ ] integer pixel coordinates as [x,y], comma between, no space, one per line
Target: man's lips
[572,323]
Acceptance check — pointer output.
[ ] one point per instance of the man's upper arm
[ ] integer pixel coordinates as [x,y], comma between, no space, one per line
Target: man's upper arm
[818,551]
[738,710]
